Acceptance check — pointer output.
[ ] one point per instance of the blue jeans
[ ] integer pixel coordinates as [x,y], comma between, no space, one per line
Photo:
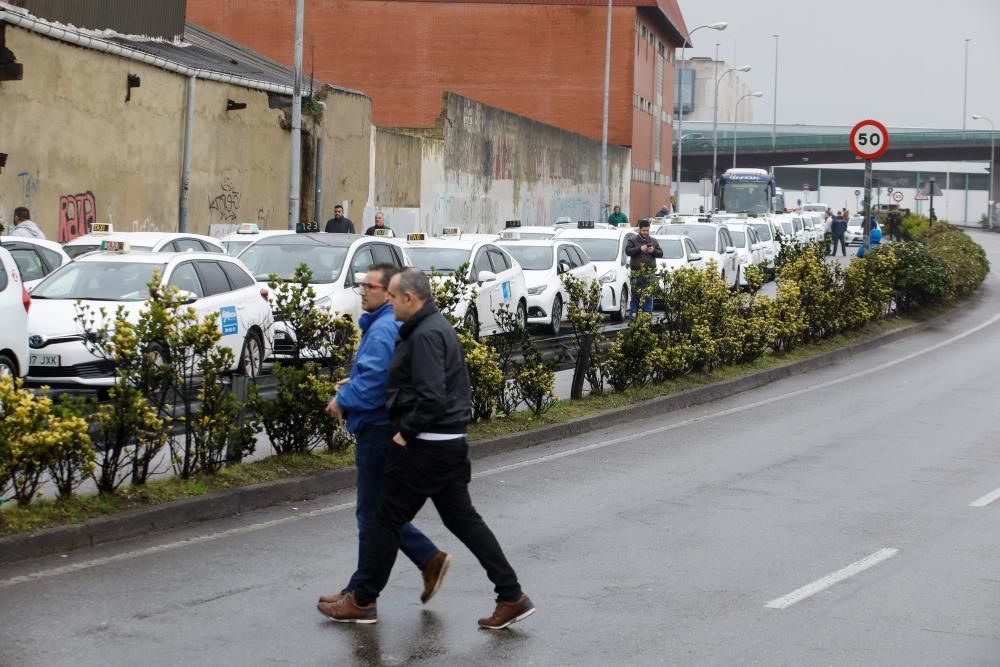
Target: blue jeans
[374,441]
[641,282]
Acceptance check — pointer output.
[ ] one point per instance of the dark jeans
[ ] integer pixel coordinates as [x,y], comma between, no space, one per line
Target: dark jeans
[843,246]
[374,443]
[440,471]
[640,283]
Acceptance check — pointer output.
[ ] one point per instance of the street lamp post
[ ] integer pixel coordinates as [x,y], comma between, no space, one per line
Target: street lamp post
[720,25]
[774,100]
[604,122]
[965,87]
[736,116]
[715,118]
[990,203]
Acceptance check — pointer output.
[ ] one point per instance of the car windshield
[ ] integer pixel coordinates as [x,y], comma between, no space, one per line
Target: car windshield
[855,221]
[75,251]
[440,260]
[739,238]
[531,258]
[599,250]
[702,235]
[234,248]
[99,281]
[763,231]
[786,227]
[325,262]
[745,197]
[672,248]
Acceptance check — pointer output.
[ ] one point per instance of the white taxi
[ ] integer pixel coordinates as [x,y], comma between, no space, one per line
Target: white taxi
[494,276]
[678,251]
[767,236]
[544,262]
[606,249]
[334,259]
[140,241]
[749,249]
[714,244]
[210,283]
[855,234]
[15,304]
[246,235]
[791,228]
[35,258]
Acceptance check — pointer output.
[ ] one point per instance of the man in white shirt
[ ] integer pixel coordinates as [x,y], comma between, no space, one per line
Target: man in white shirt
[24,226]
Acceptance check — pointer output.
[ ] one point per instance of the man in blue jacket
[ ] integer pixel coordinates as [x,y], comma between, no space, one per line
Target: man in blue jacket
[362,398]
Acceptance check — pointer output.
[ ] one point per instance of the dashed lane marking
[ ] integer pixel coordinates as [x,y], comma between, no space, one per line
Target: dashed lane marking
[829,580]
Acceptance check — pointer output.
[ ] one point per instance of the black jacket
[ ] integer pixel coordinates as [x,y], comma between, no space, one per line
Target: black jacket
[838,227]
[342,226]
[428,388]
[638,258]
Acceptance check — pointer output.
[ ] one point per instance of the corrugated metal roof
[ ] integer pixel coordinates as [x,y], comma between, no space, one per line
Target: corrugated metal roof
[668,9]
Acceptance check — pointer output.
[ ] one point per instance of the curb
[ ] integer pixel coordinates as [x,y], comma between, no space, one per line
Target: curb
[140,522]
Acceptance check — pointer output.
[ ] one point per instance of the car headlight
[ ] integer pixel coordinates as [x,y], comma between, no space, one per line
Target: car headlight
[608,277]
[744,259]
[535,291]
[325,302]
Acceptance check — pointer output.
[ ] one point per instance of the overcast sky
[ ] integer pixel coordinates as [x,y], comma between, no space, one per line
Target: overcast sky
[840,61]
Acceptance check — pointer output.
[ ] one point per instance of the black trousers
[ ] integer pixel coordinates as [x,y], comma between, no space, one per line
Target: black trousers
[843,246]
[440,471]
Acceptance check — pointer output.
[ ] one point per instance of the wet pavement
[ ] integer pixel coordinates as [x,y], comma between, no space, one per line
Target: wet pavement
[841,498]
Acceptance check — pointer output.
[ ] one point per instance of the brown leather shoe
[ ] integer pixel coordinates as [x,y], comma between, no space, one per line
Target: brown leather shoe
[347,610]
[507,613]
[434,573]
[334,597]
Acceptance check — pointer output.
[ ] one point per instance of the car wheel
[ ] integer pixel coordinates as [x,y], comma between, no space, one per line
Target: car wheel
[471,323]
[7,367]
[555,316]
[522,316]
[252,357]
[622,307]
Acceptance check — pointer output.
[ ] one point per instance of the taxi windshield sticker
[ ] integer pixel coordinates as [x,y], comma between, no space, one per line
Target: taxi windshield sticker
[228,320]
[506,290]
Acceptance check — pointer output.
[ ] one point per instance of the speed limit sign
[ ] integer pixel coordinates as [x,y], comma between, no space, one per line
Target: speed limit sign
[869,139]
[897,196]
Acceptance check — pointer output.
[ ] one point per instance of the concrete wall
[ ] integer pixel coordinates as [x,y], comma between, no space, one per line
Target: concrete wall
[78,153]
[485,166]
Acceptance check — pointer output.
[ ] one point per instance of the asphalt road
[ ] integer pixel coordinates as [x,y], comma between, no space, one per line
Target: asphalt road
[684,539]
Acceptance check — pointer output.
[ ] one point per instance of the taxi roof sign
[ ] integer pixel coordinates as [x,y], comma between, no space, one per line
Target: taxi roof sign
[114,246]
[102,228]
[585,224]
[510,235]
[512,224]
[416,236]
[248,228]
[385,231]
[450,231]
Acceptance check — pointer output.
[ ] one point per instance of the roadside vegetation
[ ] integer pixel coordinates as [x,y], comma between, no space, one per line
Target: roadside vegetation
[701,333]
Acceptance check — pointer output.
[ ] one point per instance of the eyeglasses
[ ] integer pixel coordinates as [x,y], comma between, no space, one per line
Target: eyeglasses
[366,287]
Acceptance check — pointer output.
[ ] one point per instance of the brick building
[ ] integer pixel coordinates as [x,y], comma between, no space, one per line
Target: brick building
[543,59]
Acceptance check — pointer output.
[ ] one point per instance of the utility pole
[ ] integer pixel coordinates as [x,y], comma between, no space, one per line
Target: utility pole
[295,184]
[774,100]
[603,197]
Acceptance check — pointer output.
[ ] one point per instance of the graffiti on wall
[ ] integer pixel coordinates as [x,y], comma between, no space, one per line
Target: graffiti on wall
[144,225]
[225,206]
[29,185]
[475,214]
[503,161]
[76,214]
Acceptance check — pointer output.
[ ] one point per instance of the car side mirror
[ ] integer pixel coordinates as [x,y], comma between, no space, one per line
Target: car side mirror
[186,297]
[486,277]
[694,257]
[359,278]
[730,249]
[564,266]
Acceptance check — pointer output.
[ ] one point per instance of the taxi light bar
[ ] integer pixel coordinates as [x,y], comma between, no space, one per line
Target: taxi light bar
[307,227]
[450,231]
[563,219]
[416,237]
[510,235]
[512,224]
[102,228]
[114,246]
[384,232]
[248,228]
[585,224]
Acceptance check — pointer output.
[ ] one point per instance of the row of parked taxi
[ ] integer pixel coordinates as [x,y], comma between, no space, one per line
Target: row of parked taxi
[44,285]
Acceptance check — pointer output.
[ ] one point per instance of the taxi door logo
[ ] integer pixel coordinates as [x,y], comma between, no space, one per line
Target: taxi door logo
[506,290]
[228,320]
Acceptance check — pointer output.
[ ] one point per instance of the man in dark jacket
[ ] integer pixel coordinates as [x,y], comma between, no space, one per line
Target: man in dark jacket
[379,224]
[837,230]
[361,398]
[429,400]
[642,251]
[338,224]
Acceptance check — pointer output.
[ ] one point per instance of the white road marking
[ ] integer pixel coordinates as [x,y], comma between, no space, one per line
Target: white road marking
[987,499]
[211,537]
[829,580]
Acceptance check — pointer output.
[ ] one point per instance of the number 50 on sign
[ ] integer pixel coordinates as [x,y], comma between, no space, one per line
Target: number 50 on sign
[869,139]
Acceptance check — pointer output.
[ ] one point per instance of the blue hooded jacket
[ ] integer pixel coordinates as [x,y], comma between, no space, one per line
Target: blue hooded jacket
[363,397]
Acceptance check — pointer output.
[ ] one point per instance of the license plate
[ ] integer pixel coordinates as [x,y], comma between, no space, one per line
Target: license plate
[51,360]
